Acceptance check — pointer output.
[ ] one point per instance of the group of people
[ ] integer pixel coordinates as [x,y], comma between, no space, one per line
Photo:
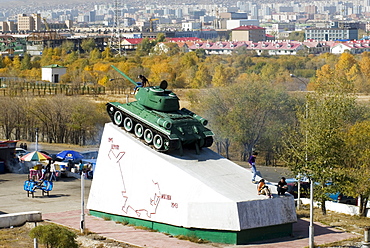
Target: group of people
[262,188]
[23,146]
[48,172]
[81,168]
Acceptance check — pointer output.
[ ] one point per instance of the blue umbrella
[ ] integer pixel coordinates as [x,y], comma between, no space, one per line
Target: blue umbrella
[69,155]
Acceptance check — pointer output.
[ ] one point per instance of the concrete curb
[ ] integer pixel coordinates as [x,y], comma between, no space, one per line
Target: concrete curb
[18,219]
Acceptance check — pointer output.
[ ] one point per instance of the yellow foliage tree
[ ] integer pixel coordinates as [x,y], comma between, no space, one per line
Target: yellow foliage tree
[202,77]
[16,63]
[357,167]
[8,62]
[364,63]
[160,71]
[103,67]
[103,81]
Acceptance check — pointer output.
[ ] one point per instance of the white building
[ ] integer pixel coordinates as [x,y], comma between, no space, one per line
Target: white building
[52,73]
[231,24]
[189,26]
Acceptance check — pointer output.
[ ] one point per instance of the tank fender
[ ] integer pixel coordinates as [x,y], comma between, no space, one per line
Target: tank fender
[203,121]
[164,123]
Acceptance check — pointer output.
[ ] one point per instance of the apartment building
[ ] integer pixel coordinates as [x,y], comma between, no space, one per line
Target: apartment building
[8,26]
[29,23]
[249,33]
[329,34]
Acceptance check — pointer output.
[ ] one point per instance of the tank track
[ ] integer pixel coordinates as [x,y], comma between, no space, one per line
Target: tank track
[143,132]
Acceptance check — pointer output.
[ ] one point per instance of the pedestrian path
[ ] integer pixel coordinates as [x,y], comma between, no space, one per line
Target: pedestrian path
[144,238]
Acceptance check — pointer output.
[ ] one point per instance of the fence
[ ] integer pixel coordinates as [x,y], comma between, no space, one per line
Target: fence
[21,88]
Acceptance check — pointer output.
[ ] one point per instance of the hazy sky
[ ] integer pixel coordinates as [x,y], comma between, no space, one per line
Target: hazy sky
[35,3]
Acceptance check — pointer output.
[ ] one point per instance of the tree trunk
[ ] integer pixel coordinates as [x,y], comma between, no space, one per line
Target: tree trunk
[226,147]
[323,207]
[362,207]
[218,147]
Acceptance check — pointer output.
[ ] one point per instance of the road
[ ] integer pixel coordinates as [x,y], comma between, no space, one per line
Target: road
[66,195]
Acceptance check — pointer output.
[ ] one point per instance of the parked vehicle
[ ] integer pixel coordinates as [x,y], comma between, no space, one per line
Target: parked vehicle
[293,189]
[20,152]
[339,197]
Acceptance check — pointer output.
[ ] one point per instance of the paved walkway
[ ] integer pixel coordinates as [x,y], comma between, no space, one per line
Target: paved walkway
[143,238]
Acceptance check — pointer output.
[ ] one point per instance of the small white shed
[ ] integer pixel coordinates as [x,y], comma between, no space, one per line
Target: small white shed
[52,73]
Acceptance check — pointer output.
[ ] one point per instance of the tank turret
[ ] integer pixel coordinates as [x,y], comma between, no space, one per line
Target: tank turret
[156,118]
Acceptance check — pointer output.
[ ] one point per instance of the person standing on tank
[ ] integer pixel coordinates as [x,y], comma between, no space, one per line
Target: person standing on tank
[252,163]
[143,83]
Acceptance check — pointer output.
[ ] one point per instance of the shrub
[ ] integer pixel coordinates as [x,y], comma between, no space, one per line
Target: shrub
[54,236]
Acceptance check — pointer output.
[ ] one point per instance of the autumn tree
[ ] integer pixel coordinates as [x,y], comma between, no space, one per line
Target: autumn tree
[241,112]
[2,65]
[16,63]
[95,54]
[107,54]
[315,146]
[67,46]
[88,45]
[26,62]
[145,46]
[202,78]
[357,168]
[223,75]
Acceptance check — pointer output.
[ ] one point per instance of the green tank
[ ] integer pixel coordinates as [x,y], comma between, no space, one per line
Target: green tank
[156,118]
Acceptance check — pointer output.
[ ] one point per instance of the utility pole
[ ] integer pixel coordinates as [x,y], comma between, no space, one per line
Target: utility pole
[115,40]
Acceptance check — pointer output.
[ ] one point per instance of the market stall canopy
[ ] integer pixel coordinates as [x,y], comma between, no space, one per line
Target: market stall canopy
[69,155]
[35,156]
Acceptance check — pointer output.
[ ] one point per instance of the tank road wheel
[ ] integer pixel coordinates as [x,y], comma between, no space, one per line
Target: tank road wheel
[118,118]
[166,145]
[158,141]
[127,124]
[110,110]
[208,141]
[148,136]
[139,130]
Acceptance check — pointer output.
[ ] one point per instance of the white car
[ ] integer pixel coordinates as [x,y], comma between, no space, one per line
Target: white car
[20,152]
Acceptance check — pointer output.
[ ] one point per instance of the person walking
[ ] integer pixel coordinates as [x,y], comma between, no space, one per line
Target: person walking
[252,163]
[53,172]
[80,167]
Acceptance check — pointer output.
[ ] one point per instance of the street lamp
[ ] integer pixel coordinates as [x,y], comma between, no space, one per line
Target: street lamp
[311,227]
[311,233]
[82,221]
[37,137]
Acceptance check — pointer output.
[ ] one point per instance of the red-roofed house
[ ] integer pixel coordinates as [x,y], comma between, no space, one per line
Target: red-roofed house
[248,33]
[130,43]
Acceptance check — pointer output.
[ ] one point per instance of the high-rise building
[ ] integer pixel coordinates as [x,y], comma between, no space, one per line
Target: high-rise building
[8,26]
[29,23]
[311,9]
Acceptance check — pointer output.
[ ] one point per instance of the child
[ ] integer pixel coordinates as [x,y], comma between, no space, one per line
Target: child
[262,188]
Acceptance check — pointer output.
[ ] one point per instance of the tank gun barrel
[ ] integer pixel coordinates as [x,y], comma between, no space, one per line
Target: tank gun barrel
[123,74]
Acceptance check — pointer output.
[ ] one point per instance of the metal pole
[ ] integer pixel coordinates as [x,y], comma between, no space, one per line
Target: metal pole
[35,244]
[299,192]
[82,223]
[37,137]
[311,229]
